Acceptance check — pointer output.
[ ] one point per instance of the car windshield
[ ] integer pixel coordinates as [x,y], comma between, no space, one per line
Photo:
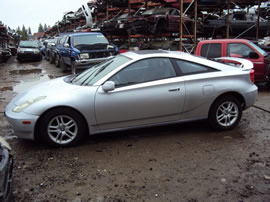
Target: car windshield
[161,11]
[261,51]
[94,74]
[28,44]
[89,39]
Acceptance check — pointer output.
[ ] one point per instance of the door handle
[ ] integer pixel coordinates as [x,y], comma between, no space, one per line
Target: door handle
[174,89]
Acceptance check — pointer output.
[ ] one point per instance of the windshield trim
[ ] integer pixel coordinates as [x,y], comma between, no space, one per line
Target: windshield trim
[259,49]
[96,70]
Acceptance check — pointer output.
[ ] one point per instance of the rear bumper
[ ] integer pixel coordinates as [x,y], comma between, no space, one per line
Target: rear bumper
[87,62]
[250,96]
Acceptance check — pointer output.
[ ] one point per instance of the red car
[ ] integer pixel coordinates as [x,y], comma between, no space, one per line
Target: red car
[239,48]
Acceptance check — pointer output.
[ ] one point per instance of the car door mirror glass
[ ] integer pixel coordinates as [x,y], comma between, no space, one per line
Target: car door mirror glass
[108,86]
[66,45]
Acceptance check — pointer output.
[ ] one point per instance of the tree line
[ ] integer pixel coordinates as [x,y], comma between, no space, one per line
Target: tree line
[24,33]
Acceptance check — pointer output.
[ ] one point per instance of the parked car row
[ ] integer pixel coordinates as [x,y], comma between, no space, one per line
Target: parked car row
[79,50]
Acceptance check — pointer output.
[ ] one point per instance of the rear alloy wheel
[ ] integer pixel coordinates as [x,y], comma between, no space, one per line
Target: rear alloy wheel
[62,127]
[225,113]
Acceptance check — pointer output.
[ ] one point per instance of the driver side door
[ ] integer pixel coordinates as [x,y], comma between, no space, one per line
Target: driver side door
[147,92]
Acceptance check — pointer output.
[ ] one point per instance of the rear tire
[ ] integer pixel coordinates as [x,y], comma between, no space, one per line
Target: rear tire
[51,59]
[62,127]
[225,113]
[63,66]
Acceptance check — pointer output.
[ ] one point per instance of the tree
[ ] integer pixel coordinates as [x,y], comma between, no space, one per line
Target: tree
[40,28]
[18,30]
[45,28]
[29,31]
[24,33]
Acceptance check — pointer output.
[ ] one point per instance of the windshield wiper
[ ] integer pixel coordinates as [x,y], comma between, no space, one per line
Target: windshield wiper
[103,67]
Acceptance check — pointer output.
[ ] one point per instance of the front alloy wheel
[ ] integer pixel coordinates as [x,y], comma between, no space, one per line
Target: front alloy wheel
[62,129]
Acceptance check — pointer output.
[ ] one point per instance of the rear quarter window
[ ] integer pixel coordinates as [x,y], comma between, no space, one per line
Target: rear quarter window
[188,68]
[212,50]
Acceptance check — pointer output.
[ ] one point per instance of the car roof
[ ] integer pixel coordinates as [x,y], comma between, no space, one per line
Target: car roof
[224,40]
[143,54]
[85,33]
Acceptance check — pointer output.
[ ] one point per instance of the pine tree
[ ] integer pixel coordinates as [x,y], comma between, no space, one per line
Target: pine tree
[24,33]
[45,28]
[18,30]
[29,31]
[40,28]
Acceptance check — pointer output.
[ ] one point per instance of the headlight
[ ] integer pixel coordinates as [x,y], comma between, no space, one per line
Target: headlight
[20,51]
[27,103]
[36,51]
[84,56]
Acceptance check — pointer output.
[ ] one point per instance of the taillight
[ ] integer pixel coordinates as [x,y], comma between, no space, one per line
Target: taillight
[252,75]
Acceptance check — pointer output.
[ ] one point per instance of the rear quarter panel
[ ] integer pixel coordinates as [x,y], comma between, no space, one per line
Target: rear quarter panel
[203,89]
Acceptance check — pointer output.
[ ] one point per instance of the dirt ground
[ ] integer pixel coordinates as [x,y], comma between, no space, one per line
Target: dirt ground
[184,162]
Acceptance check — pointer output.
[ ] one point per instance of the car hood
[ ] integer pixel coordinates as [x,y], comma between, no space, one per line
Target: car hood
[53,88]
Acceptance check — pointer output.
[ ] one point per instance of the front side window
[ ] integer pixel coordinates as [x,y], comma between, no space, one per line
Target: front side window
[188,68]
[238,50]
[146,70]
[211,50]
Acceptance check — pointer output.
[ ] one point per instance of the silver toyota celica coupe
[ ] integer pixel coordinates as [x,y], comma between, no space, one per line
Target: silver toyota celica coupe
[131,90]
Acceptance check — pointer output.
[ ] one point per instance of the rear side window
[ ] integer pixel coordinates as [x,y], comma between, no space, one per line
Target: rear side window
[188,68]
[212,50]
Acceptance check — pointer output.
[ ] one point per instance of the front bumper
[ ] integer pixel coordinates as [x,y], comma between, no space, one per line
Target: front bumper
[6,167]
[87,62]
[25,131]
[28,56]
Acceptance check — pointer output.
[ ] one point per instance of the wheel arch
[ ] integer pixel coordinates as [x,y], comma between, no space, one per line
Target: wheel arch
[36,137]
[234,94]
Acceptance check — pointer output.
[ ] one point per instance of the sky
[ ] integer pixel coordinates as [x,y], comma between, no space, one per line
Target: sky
[31,13]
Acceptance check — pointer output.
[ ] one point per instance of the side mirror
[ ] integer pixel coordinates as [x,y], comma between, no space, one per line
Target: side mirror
[108,86]
[253,55]
[66,45]
[53,44]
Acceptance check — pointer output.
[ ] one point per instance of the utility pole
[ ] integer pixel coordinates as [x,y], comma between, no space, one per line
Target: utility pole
[258,20]
[181,25]
[228,19]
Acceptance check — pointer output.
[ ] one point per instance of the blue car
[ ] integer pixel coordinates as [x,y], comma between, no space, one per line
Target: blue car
[83,50]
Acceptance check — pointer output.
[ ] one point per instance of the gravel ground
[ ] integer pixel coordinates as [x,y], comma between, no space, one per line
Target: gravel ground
[184,162]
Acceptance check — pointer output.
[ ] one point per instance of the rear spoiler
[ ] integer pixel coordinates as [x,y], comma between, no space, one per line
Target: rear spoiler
[244,64]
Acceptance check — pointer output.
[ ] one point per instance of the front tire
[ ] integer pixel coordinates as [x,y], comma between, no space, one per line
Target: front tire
[62,127]
[225,113]
[57,61]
